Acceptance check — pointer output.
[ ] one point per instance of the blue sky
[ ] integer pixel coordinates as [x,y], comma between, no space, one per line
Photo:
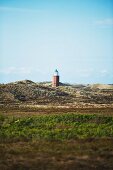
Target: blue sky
[74,36]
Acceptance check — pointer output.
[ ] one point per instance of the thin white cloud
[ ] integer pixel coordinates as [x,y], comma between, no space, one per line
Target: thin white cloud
[89,72]
[21,71]
[104,72]
[14,70]
[84,72]
[105,22]
[13,9]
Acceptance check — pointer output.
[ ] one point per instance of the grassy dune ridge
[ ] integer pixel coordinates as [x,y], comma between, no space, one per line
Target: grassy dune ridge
[43,93]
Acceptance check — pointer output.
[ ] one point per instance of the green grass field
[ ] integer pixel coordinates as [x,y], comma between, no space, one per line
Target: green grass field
[55,127]
[56,141]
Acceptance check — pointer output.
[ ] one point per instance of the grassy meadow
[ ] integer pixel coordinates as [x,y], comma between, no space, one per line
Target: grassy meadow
[55,141]
[55,127]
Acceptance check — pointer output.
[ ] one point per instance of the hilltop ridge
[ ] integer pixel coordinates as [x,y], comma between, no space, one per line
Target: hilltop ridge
[27,91]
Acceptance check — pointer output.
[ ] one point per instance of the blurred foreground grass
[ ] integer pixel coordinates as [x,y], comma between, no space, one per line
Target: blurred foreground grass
[56,141]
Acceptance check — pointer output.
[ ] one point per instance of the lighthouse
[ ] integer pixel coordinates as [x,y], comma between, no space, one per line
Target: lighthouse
[55,81]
